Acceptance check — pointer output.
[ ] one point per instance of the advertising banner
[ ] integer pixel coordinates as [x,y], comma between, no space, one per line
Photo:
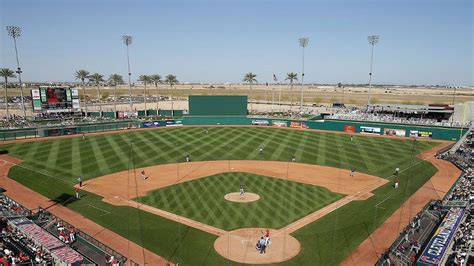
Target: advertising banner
[260,122]
[68,95]
[76,106]
[41,237]
[436,248]
[174,123]
[74,93]
[298,124]
[279,123]
[36,105]
[43,95]
[394,132]
[154,123]
[349,129]
[421,134]
[370,130]
[35,94]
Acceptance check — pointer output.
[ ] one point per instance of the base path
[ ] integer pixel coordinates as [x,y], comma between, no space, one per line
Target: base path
[380,240]
[31,200]
[121,189]
[122,184]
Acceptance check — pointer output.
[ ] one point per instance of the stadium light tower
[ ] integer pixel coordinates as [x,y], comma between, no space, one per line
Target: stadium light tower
[373,40]
[303,43]
[15,32]
[127,40]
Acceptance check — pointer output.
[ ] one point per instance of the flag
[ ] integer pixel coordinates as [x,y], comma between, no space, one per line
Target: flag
[275,77]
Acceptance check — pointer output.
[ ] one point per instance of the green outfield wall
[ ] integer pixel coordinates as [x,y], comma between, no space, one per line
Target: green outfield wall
[366,128]
[369,128]
[201,105]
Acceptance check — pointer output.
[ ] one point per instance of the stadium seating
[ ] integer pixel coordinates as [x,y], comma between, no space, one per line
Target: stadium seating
[459,247]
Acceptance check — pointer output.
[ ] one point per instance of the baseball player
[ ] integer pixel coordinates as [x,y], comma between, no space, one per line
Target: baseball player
[242,192]
[143,175]
[261,149]
[352,138]
[293,159]
[353,170]
[268,241]
[188,159]
[397,171]
[78,195]
[79,180]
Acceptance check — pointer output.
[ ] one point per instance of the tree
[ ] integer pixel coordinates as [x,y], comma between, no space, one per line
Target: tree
[250,78]
[97,79]
[114,80]
[156,80]
[292,76]
[7,73]
[145,79]
[82,75]
[171,80]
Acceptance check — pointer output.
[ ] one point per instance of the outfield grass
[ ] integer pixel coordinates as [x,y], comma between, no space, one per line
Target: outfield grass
[281,201]
[51,167]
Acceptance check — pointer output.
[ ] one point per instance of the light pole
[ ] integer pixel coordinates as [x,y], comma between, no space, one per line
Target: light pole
[15,32]
[127,40]
[373,40]
[303,43]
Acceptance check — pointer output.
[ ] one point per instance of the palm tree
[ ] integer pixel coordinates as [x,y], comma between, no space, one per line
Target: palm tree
[250,78]
[145,79]
[114,80]
[171,80]
[292,76]
[156,80]
[82,75]
[97,79]
[7,73]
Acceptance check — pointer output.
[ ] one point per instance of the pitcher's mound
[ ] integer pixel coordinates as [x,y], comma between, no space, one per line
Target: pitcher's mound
[239,246]
[247,197]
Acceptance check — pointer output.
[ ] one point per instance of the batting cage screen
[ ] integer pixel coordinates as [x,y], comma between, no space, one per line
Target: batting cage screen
[217,105]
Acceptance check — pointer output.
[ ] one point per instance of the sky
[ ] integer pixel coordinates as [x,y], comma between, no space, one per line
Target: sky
[421,41]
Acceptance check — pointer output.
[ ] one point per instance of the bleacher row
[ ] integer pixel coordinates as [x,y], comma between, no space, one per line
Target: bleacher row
[442,232]
[37,237]
[390,118]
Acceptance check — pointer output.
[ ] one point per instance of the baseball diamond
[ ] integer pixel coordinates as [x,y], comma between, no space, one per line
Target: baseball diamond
[173,212]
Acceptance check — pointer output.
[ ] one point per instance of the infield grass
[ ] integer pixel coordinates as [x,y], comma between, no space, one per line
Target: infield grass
[51,167]
[281,201]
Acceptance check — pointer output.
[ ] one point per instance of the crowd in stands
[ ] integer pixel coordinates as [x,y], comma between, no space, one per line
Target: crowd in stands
[410,241]
[10,208]
[48,120]
[462,243]
[16,248]
[408,247]
[391,118]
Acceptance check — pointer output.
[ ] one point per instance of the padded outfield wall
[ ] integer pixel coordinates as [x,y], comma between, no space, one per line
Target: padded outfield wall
[369,128]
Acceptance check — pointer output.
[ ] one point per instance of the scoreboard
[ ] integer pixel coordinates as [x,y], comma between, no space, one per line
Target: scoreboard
[49,99]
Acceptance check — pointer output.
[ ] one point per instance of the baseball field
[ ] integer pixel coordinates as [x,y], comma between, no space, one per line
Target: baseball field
[168,213]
